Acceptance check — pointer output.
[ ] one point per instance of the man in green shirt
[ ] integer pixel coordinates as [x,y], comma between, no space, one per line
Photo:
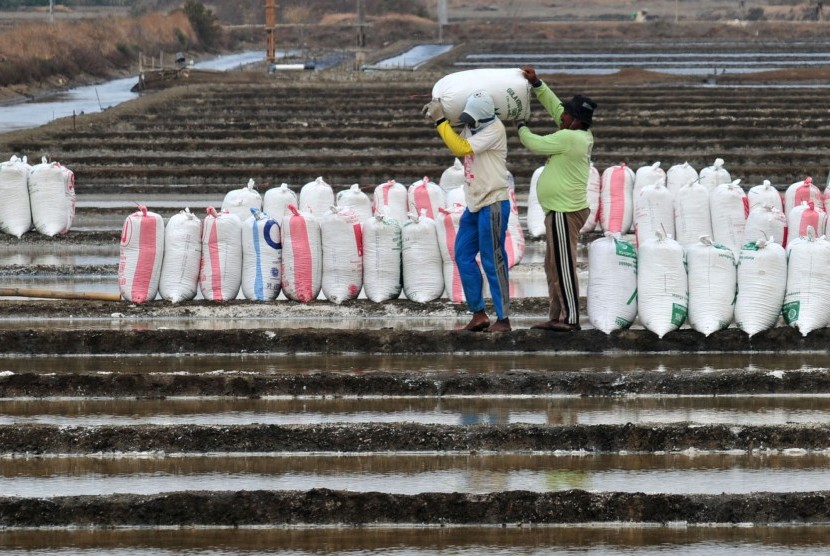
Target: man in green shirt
[562,192]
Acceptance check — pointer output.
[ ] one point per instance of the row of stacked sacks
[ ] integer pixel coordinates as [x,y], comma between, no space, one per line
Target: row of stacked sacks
[663,285]
[686,205]
[302,245]
[40,197]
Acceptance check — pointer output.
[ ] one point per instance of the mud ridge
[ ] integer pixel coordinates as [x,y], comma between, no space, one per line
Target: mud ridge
[430,384]
[323,506]
[373,437]
[782,339]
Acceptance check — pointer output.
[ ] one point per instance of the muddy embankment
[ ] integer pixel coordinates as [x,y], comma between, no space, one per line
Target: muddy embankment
[322,506]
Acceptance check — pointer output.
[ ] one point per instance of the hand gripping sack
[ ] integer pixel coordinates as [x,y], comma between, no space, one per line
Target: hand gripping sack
[714,175]
[692,216]
[729,209]
[615,205]
[221,274]
[514,238]
[802,192]
[179,280]
[423,195]
[679,175]
[453,177]
[612,283]
[391,199]
[713,279]
[535,212]
[762,281]
[764,194]
[423,274]
[662,285]
[382,258]
[302,256]
[15,210]
[765,222]
[316,197]
[594,185]
[357,201]
[807,297]
[241,201]
[52,198]
[804,216]
[447,228]
[140,257]
[644,176]
[342,236]
[508,87]
[261,257]
[276,200]
[654,211]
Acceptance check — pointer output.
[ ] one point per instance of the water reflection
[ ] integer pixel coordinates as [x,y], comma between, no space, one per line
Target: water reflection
[413,474]
[761,411]
[462,541]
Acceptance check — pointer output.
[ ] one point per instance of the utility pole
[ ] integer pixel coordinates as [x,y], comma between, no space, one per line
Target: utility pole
[442,19]
[270,24]
[360,55]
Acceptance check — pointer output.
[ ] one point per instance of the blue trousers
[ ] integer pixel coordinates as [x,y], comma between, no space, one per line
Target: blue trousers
[482,233]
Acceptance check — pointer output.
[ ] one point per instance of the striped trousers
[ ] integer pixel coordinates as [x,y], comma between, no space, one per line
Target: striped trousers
[562,235]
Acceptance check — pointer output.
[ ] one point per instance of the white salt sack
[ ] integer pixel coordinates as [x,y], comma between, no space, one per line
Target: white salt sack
[355,200]
[662,285]
[807,296]
[179,279]
[342,237]
[392,199]
[680,175]
[514,237]
[594,186]
[762,281]
[535,212]
[654,211]
[713,279]
[692,216]
[276,200]
[15,210]
[316,197]
[715,175]
[804,216]
[729,208]
[508,88]
[453,177]
[52,198]
[646,175]
[612,283]
[765,222]
[241,201]
[764,194]
[423,272]
[382,258]
[261,257]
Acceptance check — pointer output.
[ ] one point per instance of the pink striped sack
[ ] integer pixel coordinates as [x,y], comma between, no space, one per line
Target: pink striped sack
[221,276]
[141,255]
[426,196]
[302,256]
[391,200]
[616,202]
[447,228]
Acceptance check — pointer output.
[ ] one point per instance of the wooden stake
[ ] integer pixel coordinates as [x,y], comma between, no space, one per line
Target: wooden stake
[55,294]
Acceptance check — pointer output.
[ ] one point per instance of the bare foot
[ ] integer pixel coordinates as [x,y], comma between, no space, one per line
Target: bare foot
[501,325]
[479,322]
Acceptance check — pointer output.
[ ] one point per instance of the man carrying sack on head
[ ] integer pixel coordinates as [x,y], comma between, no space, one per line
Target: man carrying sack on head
[562,193]
[483,226]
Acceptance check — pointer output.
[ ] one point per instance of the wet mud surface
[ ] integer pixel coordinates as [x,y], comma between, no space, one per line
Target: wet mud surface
[322,506]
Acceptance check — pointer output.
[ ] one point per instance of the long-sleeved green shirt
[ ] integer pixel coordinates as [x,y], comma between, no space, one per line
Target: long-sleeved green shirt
[562,185]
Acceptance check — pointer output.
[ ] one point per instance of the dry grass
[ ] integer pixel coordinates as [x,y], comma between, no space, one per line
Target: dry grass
[35,52]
